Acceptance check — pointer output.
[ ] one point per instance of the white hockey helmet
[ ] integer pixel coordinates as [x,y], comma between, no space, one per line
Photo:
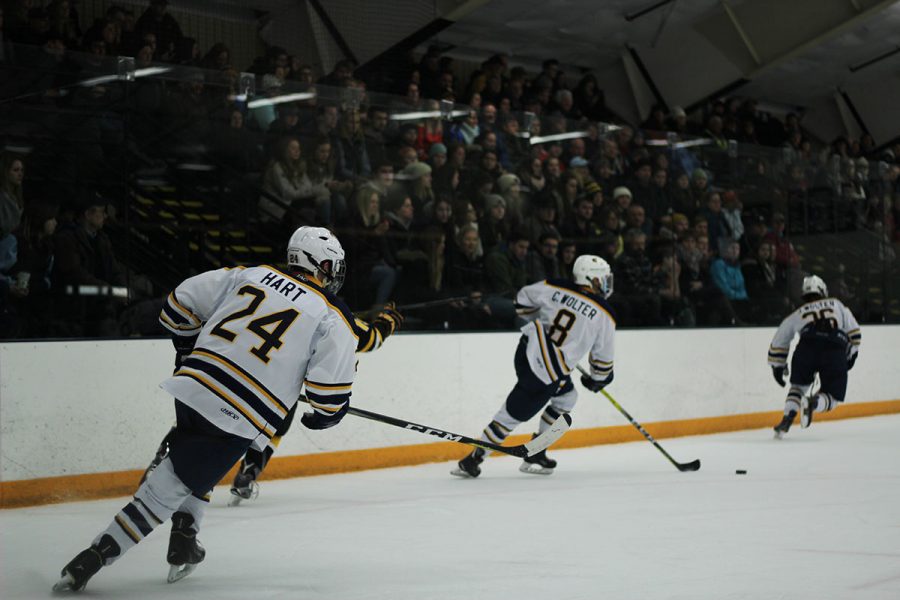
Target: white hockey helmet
[588,267]
[318,252]
[813,284]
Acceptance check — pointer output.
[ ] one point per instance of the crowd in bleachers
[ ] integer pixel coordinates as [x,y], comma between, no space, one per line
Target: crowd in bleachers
[465,209]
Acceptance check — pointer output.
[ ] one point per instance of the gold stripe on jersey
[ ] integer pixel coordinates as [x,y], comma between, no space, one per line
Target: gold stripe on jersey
[324,298]
[177,306]
[164,319]
[562,360]
[329,387]
[238,404]
[542,343]
[586,297]
[330,408]
[236,370]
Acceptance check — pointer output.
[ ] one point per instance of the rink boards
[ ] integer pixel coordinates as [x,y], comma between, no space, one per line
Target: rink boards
[82,419]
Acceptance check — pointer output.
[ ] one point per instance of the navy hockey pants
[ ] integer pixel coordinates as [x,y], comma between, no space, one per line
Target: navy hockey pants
[530,394]
[201,453]
[829,360]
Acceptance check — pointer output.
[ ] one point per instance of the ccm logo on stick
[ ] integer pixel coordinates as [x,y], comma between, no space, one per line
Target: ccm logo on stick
[435,432]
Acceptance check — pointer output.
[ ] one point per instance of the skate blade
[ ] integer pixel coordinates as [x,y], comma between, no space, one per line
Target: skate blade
[779,435]
[533,469]
[179,572]
[461,473]
[64,584]
[235,500]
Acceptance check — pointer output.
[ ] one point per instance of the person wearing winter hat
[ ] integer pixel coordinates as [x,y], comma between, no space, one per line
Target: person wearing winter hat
[417,177]
[437,155]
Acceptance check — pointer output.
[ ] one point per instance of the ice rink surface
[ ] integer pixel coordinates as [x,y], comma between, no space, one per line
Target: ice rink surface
[817,516]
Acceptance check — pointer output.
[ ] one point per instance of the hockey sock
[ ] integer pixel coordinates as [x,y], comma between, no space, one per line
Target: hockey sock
[548,418]
[153,504]
[196,507]
[495,433]
[792,403]
[824,402]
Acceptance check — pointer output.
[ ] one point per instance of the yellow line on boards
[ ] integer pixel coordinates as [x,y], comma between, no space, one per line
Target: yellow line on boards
[69,488]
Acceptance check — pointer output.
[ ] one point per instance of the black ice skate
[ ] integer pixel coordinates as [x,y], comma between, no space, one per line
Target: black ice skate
[244,486]
[539,464]
[80,569]
[785,425]
[468,467]
[807,408]
[185,552]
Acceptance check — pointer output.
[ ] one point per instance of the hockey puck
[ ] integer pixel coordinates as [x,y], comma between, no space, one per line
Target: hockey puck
[740,472]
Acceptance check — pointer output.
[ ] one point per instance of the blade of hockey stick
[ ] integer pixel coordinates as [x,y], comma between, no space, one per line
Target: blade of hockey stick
[694,465]
[544,440]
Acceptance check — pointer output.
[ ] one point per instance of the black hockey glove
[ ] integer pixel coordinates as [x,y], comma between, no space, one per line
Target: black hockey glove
[388,320]
[778,374]
[851,361]
[595,385]
[314,420]
[184,345]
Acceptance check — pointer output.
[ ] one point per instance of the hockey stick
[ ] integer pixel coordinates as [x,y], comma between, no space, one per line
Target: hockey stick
[541,442]
[694,465]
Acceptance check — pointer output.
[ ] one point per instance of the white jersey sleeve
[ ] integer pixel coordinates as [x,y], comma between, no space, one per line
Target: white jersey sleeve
[570,322]
[261,335]
[830,309]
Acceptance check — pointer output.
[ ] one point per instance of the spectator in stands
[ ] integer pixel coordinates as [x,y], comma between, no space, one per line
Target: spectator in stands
[727,275]
[543,262]
[417,178]
[375,132]
[488,121]
[12,202]
[660,203]
[636,218]
[437,156]
[621,202]
[785,255]
[531,175]
[34,268]
[429,131]
[543,218]
[465,269]
[636,284]
[505,267]
[674,307]
[64,22]
[371,255]
[516,148]
[683,199]
[218,58]
[159,22]
[351,158]
[85,256]
[580,226]
[466,131]
[731,213]
[235,146]
[493,226]
[716,227]
[699,183]
[402,239]
[331,193]
[286,185]
[765,286]
[569,192]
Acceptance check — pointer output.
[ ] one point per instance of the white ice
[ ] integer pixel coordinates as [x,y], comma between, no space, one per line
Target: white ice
[817,516]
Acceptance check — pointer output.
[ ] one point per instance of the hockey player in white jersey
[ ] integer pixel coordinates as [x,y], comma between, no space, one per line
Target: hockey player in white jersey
[572,318]
[828,345]
[370,338]
[261,336]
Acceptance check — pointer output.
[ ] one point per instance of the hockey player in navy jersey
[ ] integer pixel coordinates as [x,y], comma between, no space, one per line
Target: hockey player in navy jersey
[572,318]
[828,346]
[260,336]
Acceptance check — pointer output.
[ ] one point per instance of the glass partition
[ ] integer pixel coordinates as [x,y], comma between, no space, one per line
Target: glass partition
[153,172]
